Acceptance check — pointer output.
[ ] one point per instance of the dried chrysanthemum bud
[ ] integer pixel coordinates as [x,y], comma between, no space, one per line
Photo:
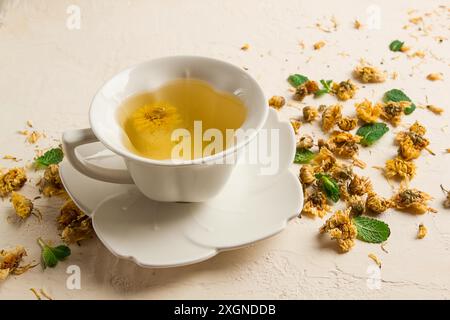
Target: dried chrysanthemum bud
[311,86]
[357,205]
[417,128]
[324,160]
[277,102]
[422,232]
[447,200]
[340,227]
[407,150]
[412,200]
[344,144]
[412,142]
[22,205]
[12,180]
[310,114]
[359,185]
[344,90]
[307,174]
[10,262]
[393,111]
[330,116]
[341,171]
[347,123]
[376,203]
[75,225]
[301,92]
[305,142]
[401,168]
[369,74]
[316,205]
[367,112]
[51,184]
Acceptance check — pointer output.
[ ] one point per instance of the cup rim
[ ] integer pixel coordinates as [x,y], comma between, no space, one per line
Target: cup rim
[197,161]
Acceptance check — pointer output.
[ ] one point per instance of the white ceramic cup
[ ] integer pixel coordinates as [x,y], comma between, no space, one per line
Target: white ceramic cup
[191,180]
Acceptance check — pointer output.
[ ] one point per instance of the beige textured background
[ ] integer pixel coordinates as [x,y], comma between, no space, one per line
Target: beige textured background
[49,73]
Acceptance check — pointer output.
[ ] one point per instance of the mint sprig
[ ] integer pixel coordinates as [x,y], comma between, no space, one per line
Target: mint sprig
[52,156]
[50,256]
[297,79]
[396,45]
[326,88]
[303,156]
[371,132]
[371,230]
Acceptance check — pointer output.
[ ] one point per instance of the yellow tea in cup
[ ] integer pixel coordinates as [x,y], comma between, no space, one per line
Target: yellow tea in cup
[151,119]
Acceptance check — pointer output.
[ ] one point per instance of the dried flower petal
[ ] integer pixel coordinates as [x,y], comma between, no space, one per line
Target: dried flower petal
[435,76]
[319,45]
[375,259]
[296,124]
[422,232]
[434,109]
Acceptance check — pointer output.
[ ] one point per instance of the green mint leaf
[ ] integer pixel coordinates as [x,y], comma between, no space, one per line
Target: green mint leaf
[396,45]
[398,95]
[52,156]
[303,156]
[372,132]
[51,255]
[61,252]
[371,230]
[326,88]
[329,186]
[297,79]
[48,257]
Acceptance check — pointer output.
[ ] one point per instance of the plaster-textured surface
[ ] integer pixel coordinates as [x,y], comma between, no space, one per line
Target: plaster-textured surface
[49,73]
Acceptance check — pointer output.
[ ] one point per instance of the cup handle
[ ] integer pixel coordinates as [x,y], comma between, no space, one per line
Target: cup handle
[74,138]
